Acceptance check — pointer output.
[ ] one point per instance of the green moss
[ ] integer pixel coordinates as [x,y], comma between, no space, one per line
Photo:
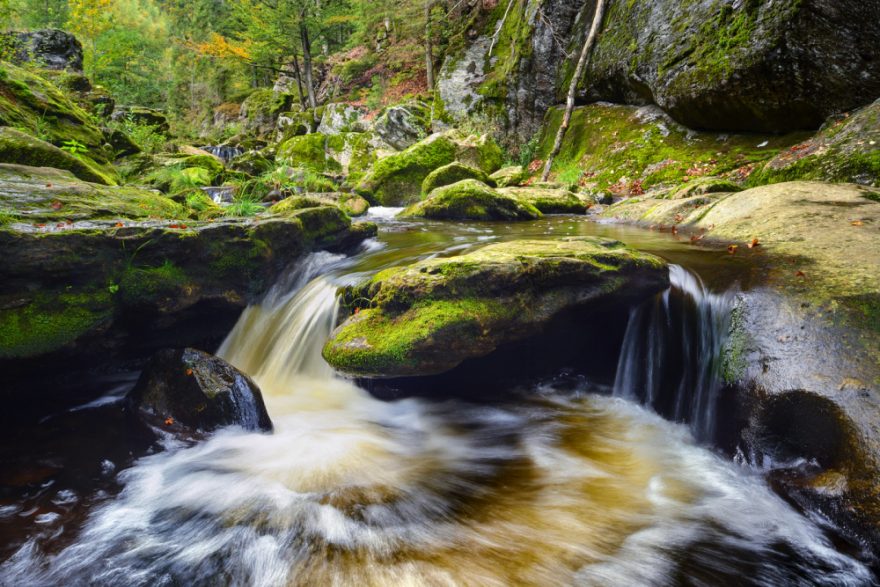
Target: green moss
[628,149]
[49,322]
[548,201]
[307,151]
[452,173]
[22,149]
[397,179]
[470,199]
[151,285]
[294,203]
[214,167]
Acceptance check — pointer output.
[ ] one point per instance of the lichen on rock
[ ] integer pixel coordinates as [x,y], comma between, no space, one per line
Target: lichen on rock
[470,199]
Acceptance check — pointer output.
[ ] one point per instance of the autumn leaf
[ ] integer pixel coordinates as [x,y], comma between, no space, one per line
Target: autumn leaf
[56,205]
[857,223]
[674,229]
[754,243]
[732,249]
[119,225]
[800,274]
[697,238]
[169,421]
[189,372]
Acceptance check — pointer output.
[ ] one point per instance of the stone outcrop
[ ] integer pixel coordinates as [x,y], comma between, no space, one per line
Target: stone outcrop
[46,48]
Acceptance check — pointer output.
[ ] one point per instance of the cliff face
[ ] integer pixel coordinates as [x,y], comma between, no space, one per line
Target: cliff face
[727,65]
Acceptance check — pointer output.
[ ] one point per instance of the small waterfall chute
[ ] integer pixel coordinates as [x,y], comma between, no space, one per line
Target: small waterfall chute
[225,153]
[671,355]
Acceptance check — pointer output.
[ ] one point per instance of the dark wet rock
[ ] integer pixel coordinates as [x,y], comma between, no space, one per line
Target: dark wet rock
[470,199]
[428,317]
[121,143]
[46,48]
[199,391]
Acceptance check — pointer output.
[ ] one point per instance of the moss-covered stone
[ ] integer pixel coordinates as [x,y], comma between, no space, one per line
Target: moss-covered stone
[294,203]
[260,110]
[510,176]
[847,149]
[548,201]
[703,186]
[307,151]
[397,179]
[480,151]
[342,118]
[22,149]
[31,103]
[403,125]
[453,173]
[470,199]
[628,150]
[207,162]
[251,163]
[429,317]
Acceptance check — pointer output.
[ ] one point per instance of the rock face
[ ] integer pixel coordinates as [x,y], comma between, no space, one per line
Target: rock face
[461,76]
[847,149]
[429,317]
[47,48]
[340,118]
[22,149]
[470,199]
[741,66]
[199,391]
[260,111]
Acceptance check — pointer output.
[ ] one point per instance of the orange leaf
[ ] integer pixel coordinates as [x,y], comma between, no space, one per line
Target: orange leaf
[696,238]
[732,249]
[857,223]
[56,205]
[119,225]
[754,243]
[800,274]
[189,372]
[169,421]
[674,229]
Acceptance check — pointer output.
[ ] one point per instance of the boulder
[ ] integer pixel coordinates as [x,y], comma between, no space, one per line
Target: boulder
[846,149]
[46,48]
[295,123]
[510,176]
[404,125]
[480,151]
[453,173]
[22,149]
[190,388]
[346,153]
[397,179]
[428,317]
[342,118]
[33,104]
[548,201]
[470,199]
[738,66]
[260,111]
[253,163]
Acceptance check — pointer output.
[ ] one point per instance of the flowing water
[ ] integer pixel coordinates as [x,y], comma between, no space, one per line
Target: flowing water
[556,485]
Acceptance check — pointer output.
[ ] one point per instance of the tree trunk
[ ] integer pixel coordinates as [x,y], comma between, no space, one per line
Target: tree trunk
[297,74]
[307,62]
[429,46]
[572,88]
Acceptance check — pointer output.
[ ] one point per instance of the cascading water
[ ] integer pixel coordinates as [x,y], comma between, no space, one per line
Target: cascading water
[224,152]
[557,488]
[670,360]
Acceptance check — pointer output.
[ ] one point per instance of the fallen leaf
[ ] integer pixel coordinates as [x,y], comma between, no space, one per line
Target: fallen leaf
[696,238]
[40,225]
[732,249]
[189,372]
[678,218]
[357,310]
[754,243]
[800,274]
[119,225]
[857,223]
[674,229]
[56,205]
[169,421]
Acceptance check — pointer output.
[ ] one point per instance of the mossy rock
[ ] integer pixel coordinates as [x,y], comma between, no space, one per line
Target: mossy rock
[453,173]
[427,318]
[846,149]
[548,201]
[295,123]
[143,116]
[510,176]
[22,149]
[294,203]
[307,151]
[342,118]
[470,199]
[207,162]
[403,125]
[253,164]
[397,179]
[260,110]
[629,150]
[703,186]
[36,106]
[481,152]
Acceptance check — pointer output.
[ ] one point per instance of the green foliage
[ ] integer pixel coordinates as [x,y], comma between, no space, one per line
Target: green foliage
[529,151]
[244,206]
[74,147]
[145,136]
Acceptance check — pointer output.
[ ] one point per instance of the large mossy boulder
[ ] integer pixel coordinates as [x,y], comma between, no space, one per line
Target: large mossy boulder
[192,389]
[347,153]
[738,66]
[403,125]
[511,176]
[31,103]
[453,173]
[548,200]
[342,118]
[847,149]
[470,199]
[397,179]
[260,111]
[22,149]
[427,318]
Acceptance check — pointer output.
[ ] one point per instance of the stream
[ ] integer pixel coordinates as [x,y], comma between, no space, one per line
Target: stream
[607,475]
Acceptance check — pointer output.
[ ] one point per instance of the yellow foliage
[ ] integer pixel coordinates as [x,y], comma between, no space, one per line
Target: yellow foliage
[219,46]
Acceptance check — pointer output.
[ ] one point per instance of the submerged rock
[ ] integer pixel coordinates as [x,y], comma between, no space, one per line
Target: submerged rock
[199,391]
[470,199]
[452,173]
[427,318]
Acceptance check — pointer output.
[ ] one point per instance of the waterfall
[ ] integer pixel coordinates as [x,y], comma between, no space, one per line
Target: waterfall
[224,152]
[670,359]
